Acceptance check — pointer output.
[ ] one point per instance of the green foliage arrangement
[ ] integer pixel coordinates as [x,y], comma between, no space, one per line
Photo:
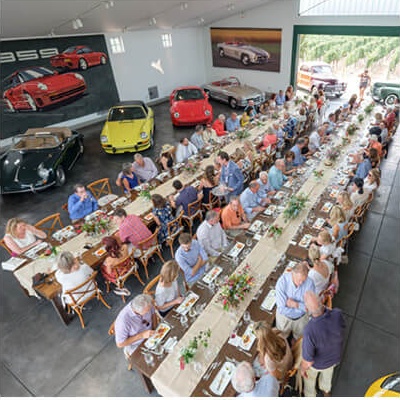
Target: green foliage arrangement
[360,117]
[98,225]
[188,353]
[275,231]
[242,134]
[351,129]
[295,205]
[369,108]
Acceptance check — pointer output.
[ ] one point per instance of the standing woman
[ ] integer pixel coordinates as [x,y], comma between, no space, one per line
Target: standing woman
[365,79]
[21,236]
[162,214]
[208,183]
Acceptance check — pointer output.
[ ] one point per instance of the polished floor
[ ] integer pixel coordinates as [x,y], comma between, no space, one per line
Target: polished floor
[42,357]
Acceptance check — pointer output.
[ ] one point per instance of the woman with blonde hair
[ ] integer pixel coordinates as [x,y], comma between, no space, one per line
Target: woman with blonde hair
[337,219]
[242,160]
[320,270]
[249,150]
[326,243]
[21,236]
[372,180]
[347,205]
[274,351]
[167,291]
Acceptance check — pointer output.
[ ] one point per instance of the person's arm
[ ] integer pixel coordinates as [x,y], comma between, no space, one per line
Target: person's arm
[154,170]
[200,262]
[206,244]
[132,339]
[94,203]
[12,245]
[125,184]
[239,179]
[156,219]
[37,232]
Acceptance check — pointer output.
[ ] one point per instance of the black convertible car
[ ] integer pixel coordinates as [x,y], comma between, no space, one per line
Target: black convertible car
[38,159]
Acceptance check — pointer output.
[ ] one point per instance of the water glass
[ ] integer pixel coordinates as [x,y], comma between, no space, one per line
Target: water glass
[249,242]
[246,317]
[192,313]
[184,320]
[149,359]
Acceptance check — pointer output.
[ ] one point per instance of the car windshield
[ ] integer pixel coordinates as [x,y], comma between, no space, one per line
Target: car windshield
[322,69]
[189,94]
[36,141]
[69,50]
[126,113]
[392,383]
[34,73]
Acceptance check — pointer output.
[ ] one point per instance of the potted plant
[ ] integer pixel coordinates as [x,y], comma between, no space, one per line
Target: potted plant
[295,205]
[274,231]
[332,154]
[97,226]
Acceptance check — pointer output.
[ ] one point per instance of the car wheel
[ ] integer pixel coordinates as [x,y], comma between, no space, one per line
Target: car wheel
[103,60]
[60,176]
[221,53]
[82,64]
[9,105]
[233,102]
[245,59]
[31,102]
[389,100]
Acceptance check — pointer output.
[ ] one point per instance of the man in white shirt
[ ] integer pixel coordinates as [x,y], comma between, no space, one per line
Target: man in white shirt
[184,150]
[144,168]
[316,139]
[211,236]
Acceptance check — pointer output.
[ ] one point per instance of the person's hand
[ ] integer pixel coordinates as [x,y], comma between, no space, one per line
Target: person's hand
[246,225]
[147,334]
[290,179]
[179,300]
[38,241]
[230,189]
[304,372]
[292,303]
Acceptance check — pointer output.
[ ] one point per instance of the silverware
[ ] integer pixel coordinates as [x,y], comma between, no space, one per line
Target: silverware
[244,351]
[206,392]
[210,369]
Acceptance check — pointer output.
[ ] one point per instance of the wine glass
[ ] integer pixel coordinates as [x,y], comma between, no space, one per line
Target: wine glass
[192,313]
[184,320]
[211,286]
[249,241]
[246,317]
[149,359]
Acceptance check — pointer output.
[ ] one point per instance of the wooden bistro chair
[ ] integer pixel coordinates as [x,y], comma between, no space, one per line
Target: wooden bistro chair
[214,203]
[174,229]
[3,244]
[82,294]
[148,248]
[126,268]
[295,370]
[194,212]
[50,224]
[100,188]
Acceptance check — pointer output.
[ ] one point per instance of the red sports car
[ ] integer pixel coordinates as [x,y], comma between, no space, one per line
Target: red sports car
[37,87]
[78,57]
[190,106]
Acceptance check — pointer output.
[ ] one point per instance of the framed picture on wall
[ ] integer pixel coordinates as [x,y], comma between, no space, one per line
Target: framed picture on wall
[246,48]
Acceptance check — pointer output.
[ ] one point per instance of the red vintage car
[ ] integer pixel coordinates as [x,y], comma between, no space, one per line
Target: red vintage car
[35,88]
[78,57]
[189,106]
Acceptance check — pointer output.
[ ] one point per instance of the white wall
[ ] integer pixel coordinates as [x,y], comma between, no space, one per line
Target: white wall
[183,63]
[280,14]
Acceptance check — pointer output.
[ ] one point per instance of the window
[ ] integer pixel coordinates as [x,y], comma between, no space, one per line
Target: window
[166,39]
[117,45]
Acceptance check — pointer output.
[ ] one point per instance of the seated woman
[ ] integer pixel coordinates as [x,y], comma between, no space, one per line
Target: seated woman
[162,214]
[115,254]
[326,245]
[242,160]
[289,168]
[167,291]
[246,119]
[372,181]
[129,180]
[357,194]
[374,157]
[269,139]
[337,219]
[346,204]
[71,274]
[320,270]
[208,183]
[249,150]
[274,354]
[166,159]
[21,236]
[264,107]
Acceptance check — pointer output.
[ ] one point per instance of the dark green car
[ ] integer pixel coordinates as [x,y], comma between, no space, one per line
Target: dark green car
[386,92]
[38,159]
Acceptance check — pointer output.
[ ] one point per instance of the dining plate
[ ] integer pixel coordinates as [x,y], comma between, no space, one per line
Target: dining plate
[100,252]
[212,274]
[235,250]
[279,195]
[290,265]
[248,338]
[108,198]
[256,226]
[32,253]
[326,207]
[148,217]
[159,334]
[334,193]
[319,223]
[305,241]
[187,303]
[119,202]
[288,184]
[223,378]
[270,300]
[270,210]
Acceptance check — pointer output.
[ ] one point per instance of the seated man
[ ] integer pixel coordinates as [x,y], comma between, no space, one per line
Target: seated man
[185,196]
[191,257]
[211,236]
[81,203]
[278,131]
[209,135]
[331,124]
[265,188]
[291,315]
[276,174]
[299,159]
[363,166]
[290,126]
[253,200]
[232,123]
[233,217]
[253,109]
[197,137]
[135,323]
[317,138]
[244,382]
[219,125]
[185,150]
[144,168]
[131,229]
[280,98]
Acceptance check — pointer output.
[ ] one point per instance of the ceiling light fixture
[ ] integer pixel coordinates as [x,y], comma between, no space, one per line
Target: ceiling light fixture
[152,21]
[231,7]
[200,21]
[184,6]
[109,4]
[52,34]
[77,23]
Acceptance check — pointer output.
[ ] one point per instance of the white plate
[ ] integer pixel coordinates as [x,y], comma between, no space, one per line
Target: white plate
[211,275]
[290,266]
[12,263]
[270,300]
[256,226]
[108,198]
[334,193]
[31,253]
[188,303]
[319,223]
[118,202]
[93,215]
[100,252]
[287,184]
[234,251]
[270,210]
[248,338]
[223,378]
[327,207]
[159,335]
[170,344]
[137,188]
[279,195]
[305,241]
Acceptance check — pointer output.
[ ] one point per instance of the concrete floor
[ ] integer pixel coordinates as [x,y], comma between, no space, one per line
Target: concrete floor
[42,357]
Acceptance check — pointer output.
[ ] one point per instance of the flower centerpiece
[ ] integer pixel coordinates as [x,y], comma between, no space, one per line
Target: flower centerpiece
[360,118]
[145,191]
[318,174]
[191,167]
[275,115]
[97,225]
[274,231]
[332,154]
[368,109]
[295,205]
[188,353]
[297,101]
[235,287]
[51,251]
[351,129]
[242,134]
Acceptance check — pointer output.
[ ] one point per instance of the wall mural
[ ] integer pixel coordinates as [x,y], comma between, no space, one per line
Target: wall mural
[247,48]
[47,81]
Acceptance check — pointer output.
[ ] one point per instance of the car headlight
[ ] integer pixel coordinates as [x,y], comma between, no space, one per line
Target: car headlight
[79,76]
[207,112]
[176,115]
[42,86]
[103,139]
[143,135]
[43,172]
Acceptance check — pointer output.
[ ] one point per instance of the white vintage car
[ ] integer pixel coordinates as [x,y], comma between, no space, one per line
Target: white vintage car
[243,52]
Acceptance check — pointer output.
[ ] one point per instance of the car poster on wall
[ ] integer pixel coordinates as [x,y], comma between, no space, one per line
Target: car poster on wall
[246,48]
[51,80]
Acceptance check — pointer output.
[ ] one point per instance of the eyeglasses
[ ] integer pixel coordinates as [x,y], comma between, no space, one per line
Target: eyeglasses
[237,214]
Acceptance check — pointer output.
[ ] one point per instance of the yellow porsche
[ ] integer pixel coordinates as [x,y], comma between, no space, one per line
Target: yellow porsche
[387,386]
[129,128]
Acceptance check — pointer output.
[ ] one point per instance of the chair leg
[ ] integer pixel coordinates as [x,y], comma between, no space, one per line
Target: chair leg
[171,247]
[138,277]
[100,297]
[79,312]
[145,262]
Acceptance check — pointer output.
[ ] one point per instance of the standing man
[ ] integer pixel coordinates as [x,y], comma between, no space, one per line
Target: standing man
[231,175]
[365,79]
[322,345]
[197,137]
[81,203]
[291,313]
[144,168]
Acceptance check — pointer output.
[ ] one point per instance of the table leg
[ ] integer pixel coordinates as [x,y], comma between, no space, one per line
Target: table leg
[146,382]
[60,309]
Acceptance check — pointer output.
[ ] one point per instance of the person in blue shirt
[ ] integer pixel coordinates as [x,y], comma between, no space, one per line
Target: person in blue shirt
[231,175]
[299,159]
[291,314]
[191,258]
[290,126]
[81,203]
[252,108]
[363,167]
[253,200]
[232,123]
[197,137]
[280,98]
[276,176]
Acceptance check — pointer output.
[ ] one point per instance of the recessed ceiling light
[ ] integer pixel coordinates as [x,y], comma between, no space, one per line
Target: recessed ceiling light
[184,6]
